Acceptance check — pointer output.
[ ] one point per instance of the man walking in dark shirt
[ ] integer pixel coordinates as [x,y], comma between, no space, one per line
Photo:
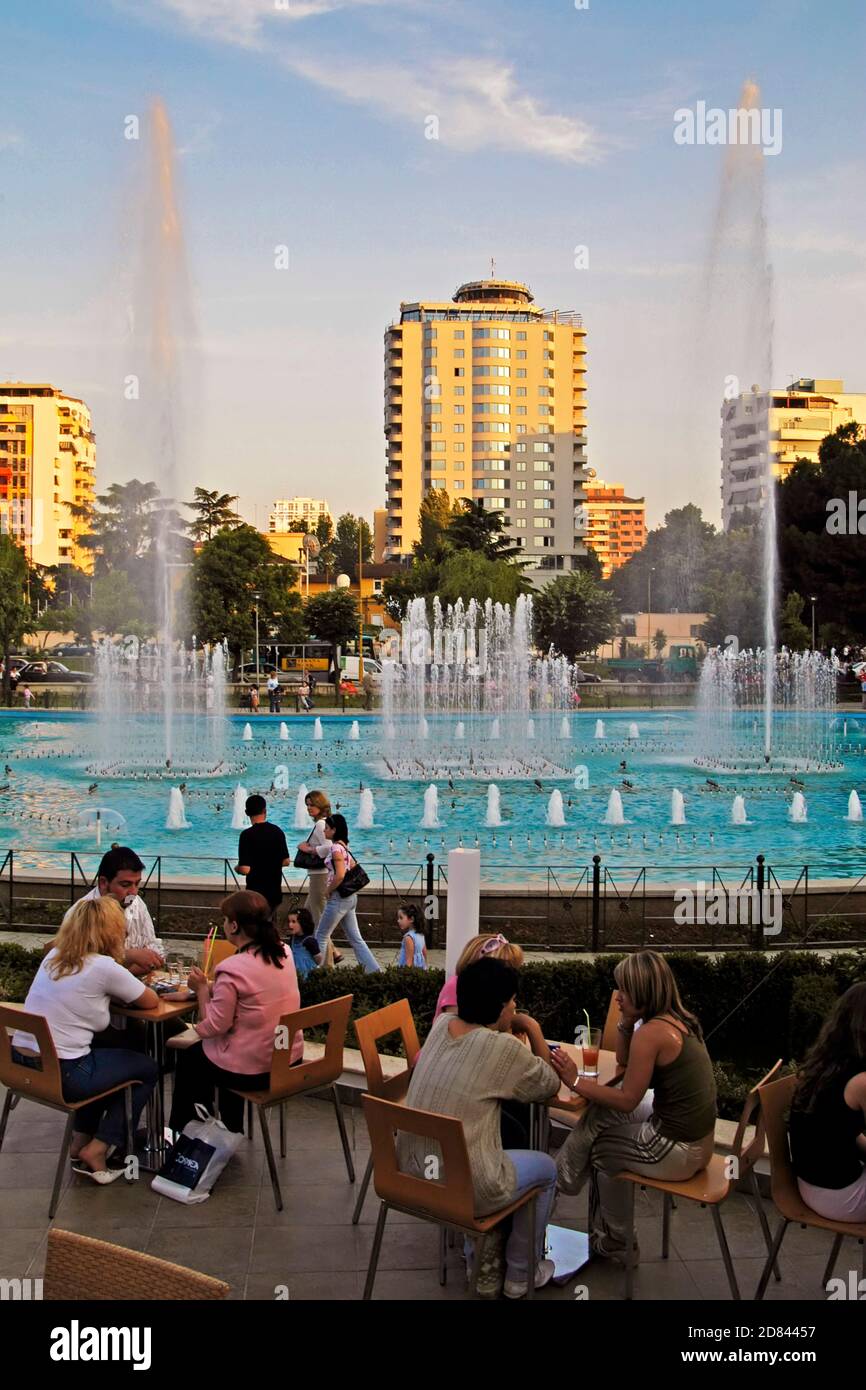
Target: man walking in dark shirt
[262,852]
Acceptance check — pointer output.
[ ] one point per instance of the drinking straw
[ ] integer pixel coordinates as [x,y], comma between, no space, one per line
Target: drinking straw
[586,1016]
[211,943]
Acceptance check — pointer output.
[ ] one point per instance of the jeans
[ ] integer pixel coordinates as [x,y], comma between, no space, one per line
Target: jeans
[97,1071]
[534,1169]
[343,910]
[195,1081]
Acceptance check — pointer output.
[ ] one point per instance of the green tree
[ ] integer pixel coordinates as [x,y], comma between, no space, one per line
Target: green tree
[15,615]
[470,574]
[345,545]
[213,512]
[228,571]
[678,553]
[574,615]
[793,632]
[418,580]
[660,639]
[117,607]
[325,537]
[434,519]
[473,527]
[732,590]
[333,617]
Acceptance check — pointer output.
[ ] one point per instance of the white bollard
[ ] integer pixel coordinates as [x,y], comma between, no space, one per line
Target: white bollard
[464,903]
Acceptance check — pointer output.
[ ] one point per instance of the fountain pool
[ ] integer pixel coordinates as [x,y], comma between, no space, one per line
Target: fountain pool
[47,797]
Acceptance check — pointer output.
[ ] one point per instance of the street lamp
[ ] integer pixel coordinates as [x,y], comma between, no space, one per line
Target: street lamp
[649,608]
[360,600]
[257,596]
[812,600]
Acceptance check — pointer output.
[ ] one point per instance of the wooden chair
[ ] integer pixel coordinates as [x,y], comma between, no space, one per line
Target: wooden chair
[79,1268]
[609,1032]
[447,1201]
[220,951]
[775,1103]
[711,1186]
[305,1077]
[44,1085]
[395,1018]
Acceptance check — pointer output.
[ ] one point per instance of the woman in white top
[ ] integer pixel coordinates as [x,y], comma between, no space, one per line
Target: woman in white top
[341,909]
[318,808]
[73,990]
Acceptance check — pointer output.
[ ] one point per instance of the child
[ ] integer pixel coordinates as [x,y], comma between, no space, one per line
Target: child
[414,948]
[305,948]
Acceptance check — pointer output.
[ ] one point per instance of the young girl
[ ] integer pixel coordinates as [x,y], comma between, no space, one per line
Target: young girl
[413,951]
[305,948]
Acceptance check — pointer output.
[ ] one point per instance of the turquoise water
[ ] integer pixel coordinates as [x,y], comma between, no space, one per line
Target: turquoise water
[47,790]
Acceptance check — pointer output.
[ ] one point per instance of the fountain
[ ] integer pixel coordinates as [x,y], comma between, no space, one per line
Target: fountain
[797,809]
[354,731]
[430,819]
[239,815]
[530,728]
[284,731]
[493,817]
[678,808]
[317,730]
[495,729]
[738,812]
[555,811]
[633,731]
[564,727]
[302,819]
[176,818]
[366,810]
[247,734]
[460,730]
[614,814]
[423,728]
[599,729]
[855,810]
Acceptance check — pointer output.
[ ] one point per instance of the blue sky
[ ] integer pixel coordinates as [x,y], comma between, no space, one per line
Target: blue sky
[304,125]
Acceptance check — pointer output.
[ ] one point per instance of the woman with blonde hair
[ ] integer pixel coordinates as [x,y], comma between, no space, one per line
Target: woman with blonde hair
[486,945]
[318,809]
[73,990]
[667,1052]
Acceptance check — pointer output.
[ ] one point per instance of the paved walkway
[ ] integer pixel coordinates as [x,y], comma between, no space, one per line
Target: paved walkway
[312,1248]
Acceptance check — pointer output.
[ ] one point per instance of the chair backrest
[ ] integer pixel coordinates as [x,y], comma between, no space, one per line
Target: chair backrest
[220,951]
[775,1102]
[333,1013]
[394,1018]
[446,1191]
[43,1084]
[747,1155]
[609,1034]
[81,1268]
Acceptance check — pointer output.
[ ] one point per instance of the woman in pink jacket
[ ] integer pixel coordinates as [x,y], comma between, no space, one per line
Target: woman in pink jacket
[251,992]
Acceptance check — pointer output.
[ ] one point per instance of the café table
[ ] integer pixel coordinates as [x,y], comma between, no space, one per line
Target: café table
[155,1019]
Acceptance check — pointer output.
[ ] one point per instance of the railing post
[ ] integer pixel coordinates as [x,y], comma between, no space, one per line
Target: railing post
[431,901]
[596,899]
[759,925]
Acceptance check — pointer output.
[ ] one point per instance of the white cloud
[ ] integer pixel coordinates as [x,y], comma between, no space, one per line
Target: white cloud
[478,100]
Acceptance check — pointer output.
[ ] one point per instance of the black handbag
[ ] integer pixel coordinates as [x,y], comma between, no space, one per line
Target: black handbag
[307,859]
[354,879]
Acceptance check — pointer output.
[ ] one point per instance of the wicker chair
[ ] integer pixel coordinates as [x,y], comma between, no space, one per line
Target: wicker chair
[79,1268]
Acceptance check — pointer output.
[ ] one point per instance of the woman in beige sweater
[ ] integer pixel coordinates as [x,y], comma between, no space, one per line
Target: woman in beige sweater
[468,1065]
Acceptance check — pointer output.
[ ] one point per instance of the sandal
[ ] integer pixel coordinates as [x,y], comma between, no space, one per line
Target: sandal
[103,1176]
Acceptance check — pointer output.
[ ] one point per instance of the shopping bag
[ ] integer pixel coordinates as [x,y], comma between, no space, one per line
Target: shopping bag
[195,1161]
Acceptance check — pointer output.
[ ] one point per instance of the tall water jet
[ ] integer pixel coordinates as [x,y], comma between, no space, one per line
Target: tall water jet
[239,815]
[678,808]
[176,818]
[599,729]
[366,810]
[614,814]
[423,728]
[430,820]
[284,731]
[530,728]
[738,812]
[247,734]
[855,810]
[797,808]
[494,815]
[633,731]
[354,731]
[555,810]
[460,730]
[564,727]
[494,729]
[317,730]
[303,820]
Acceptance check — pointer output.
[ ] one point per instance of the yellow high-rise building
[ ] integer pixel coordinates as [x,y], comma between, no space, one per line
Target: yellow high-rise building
[47,459]
[485,396]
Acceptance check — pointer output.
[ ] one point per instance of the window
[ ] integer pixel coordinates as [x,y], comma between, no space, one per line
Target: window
[429,354]
[520,448]
[520,410]
[495,504]
[544,391]
[548,336]
[548,356]
[491,333]
[459,371]
[436,427]
[459,390]
[458,352]
[521,336]
[458,429]
[459,333]
[485,390]
[520,390]
[434,410]
[458,410]
[543,521]
[521,485]
[520,429]
[521,521]
[429,332]
[520,465]
[541,504]
[542,446]
[458,484]
[458,463]
[520,371]
[458,448]
[541,466]
[521,354]
[491,427]
[437,445]
[437,482]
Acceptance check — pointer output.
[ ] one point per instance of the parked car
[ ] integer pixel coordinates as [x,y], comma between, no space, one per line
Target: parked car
[73,649]
[51,673]
[587,678]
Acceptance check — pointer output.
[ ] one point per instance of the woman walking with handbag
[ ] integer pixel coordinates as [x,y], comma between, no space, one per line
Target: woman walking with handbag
[313,852]
[345,877]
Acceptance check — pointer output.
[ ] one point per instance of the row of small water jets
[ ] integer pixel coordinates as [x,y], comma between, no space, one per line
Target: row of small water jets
[555,817]
[318,731]
[495,732]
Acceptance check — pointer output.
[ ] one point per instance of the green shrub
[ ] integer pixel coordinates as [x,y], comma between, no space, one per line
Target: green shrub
[812,999]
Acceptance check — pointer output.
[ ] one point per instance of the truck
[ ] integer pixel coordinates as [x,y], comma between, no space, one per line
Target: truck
[680,665]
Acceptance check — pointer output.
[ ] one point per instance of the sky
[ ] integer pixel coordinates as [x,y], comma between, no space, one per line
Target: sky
[304,124]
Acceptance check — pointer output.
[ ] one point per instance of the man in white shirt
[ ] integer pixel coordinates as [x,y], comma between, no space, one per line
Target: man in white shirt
[120,875]
[274,693]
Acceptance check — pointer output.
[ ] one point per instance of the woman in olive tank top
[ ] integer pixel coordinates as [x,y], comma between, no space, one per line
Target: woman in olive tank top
[665,1053]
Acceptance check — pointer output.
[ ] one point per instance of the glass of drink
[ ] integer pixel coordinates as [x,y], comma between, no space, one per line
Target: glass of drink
[590,1042]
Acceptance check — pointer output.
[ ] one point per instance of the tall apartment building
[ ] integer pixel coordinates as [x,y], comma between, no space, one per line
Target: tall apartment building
[615,524]
[800,415]
[485,396]
[47,459]
[288,511]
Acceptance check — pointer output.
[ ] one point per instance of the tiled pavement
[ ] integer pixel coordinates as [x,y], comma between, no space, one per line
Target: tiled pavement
[311,1246]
